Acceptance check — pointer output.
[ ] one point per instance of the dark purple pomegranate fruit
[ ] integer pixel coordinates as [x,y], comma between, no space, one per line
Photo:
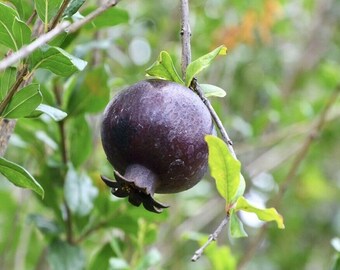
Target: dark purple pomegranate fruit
[153,135]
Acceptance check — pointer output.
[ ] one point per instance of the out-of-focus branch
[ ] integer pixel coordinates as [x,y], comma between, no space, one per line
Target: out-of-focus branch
[300,156]
[314,47]
[6,129]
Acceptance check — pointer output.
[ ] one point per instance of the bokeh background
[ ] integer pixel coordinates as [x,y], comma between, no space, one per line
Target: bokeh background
[282,66]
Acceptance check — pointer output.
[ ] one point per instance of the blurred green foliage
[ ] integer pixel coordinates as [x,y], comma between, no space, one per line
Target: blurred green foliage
[283,63]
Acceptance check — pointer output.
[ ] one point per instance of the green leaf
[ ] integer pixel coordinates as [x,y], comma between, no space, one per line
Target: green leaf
[7,79]
[19,176]
[58,40]
[23,7]
[56,60]
[236,226]
[80,138]
[21,32]
[47,9]
[79,192]
[63,256]
[336,264]
[7,19]
[212,90]
[54,113]
[201,63]
[329,74]
[91,95]
[268,214]
[164,68]
[224,168]
[220,257]
[73,7]
[110,17]
[24,102]
[100,259]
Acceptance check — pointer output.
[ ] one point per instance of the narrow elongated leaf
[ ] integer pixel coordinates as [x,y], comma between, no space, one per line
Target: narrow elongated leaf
[212,90]
[19,176]
[73,7]
[56,60]
[54,113]
[7,19]
[22,33]
[164,68]
[7,79]
[268,214]
[63,256]
[224,168]
[47,9]
[91,95]
[236,226]
[24,102]
[79,192]
[80,138]
[201,63]
[110,17]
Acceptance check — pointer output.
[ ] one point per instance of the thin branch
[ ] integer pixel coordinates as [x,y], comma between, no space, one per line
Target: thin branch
[212,237]
[92,230]
[186,35]
[70,28]
[195,86]
[20,78]
[64,156]
[27,50]
[32,17]
[78,24]
[57,17]
[6,129]
[301,155]
[186,58]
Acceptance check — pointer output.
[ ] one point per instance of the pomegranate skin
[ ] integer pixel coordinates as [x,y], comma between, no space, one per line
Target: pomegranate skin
[160,126]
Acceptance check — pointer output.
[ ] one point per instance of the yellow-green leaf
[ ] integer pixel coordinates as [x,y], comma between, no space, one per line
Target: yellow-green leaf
[224,168]
[201,63]
[267,214]
[212,90]
[236,226]
[164,68]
